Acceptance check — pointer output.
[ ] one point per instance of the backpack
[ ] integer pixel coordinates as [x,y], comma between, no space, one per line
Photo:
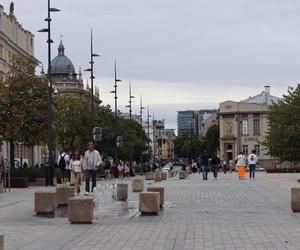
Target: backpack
[62,163]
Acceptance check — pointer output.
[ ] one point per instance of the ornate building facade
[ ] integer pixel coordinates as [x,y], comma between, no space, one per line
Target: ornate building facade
[244,125]
[66,80]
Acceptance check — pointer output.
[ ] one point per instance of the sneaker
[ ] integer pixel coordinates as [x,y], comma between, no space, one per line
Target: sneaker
[86,193]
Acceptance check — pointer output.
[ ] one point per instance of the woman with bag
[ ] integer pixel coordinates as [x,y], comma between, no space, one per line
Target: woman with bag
[76,166]
[241,165]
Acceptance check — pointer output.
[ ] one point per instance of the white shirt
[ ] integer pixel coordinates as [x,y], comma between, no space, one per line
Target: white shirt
[241,160]
[76,165]
[252,159]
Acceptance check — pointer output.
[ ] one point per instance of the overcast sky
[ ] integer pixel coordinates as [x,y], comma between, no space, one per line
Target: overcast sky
[178,54]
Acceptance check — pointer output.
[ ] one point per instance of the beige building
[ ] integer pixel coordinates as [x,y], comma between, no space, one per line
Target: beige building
[15,40]
[244,125]
[163,143]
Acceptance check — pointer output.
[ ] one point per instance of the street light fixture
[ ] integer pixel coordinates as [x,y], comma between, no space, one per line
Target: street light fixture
[148,123]
[141,116]
[154,138]
[130,101]
[92,77]
[50,169]
[116,110]
[130,117]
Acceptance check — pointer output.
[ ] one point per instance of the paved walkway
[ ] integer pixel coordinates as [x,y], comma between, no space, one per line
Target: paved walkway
[223,214]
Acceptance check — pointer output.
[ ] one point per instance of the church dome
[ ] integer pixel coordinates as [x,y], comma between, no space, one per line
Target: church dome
[62,67]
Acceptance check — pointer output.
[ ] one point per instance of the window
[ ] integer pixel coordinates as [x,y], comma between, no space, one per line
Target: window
[257,149]
[245,127]
[256,125]
[245,149]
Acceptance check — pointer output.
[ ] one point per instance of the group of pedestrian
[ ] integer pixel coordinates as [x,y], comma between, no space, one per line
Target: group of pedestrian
[241,163]
[74,166]
[213,164]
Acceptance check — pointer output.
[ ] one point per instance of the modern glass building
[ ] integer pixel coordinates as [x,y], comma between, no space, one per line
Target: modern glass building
[192,121]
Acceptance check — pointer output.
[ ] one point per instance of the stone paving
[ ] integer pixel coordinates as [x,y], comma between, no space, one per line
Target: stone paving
[222,214]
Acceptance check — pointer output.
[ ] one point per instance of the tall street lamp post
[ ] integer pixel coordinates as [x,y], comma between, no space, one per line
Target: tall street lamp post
[154,138]
[141,116]
[148,123]
[130,118]
[50,167]
[130,102]
[92,77]
[116,110]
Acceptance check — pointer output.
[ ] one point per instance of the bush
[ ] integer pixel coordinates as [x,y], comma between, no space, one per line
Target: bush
[31,173]
[283,170]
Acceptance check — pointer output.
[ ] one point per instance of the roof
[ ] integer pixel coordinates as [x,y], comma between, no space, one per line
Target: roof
[262,98]
[62,67]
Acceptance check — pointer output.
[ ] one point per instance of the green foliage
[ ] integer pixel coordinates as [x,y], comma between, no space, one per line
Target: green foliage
[283,137]
[30,173]
[72,122]
[23,104]
[211,140]
[187,146]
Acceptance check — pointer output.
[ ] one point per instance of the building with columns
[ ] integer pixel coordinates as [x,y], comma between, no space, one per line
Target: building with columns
[244,125]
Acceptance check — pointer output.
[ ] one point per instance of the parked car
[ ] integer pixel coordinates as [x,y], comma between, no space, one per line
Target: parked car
[167,167]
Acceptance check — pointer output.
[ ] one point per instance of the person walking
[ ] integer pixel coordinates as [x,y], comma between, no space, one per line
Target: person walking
[230,163]
[107,167]
[2,169]
[204,164]
[241,164]
[214,165]
[224,166]
[252,159]
[76,167]
[63,164]
[91,162]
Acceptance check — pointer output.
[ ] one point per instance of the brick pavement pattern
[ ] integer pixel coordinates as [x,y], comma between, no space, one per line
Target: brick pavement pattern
[223,214]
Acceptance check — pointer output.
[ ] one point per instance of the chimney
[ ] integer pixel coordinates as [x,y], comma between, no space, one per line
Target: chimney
[267,90]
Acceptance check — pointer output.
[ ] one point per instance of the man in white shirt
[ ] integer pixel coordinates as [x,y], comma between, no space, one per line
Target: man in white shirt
[91,162]
[252,159]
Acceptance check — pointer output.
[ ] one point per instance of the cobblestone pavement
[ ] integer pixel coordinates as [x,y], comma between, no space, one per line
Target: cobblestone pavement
[222,214]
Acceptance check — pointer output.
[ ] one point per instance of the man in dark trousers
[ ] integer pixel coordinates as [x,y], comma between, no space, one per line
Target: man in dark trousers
[204,164]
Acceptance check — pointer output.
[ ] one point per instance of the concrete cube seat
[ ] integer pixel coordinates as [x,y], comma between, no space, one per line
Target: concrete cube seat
[161,191]
[45,202]
[163,176]
[157,176]
[182,174]
[149,202]
[137,185]
[63,193]
[81,209]
[1,242]
[122,191]
[295,199]
[149,176]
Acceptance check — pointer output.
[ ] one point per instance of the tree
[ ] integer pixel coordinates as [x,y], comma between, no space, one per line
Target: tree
[283,136]
[72,122]
[23,105]
[187,146]
[211,140]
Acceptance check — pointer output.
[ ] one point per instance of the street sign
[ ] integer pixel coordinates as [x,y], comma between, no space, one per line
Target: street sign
[119,141]
[97,134]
